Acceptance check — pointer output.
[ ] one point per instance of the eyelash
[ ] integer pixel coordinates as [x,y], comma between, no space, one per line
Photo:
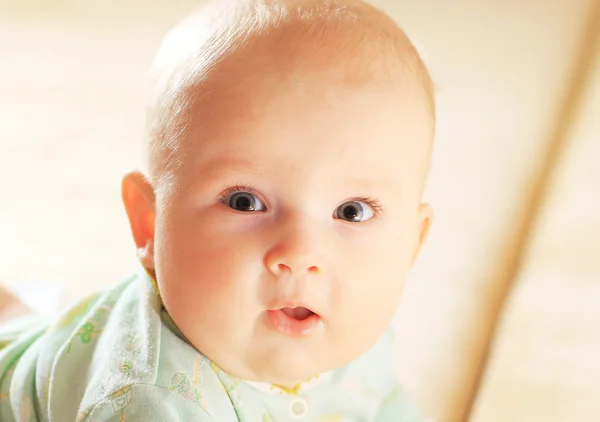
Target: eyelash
[231,189]
[371,202]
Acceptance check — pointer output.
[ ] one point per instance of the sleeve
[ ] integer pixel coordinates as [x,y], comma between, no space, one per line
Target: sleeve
[19,327]
[148,403]
[397,407]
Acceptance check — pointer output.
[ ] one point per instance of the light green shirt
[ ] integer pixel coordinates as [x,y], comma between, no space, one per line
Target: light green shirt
[118,356]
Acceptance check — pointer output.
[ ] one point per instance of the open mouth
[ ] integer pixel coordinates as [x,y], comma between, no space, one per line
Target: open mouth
[299,313]
[299,321]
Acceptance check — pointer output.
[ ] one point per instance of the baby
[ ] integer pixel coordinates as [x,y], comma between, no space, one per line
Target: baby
[288,145]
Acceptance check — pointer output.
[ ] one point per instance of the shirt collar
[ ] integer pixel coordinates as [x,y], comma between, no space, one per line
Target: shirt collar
[281,390]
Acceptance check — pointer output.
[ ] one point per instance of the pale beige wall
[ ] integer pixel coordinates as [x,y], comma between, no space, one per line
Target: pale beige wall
[546,363]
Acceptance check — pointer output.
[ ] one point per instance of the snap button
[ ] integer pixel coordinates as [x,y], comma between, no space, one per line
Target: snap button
[298,408]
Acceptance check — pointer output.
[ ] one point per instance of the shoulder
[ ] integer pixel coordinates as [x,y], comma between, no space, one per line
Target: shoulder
[374,370]
[397,406]
[98,346]
[139,368]
[185,386]
[379,393]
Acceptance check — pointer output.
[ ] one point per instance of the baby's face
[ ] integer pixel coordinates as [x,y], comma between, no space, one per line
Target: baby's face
[283,243]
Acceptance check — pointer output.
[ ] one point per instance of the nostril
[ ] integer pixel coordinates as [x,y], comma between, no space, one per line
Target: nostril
[283,268]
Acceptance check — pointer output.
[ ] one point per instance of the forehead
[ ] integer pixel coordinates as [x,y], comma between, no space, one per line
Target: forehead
[309,126]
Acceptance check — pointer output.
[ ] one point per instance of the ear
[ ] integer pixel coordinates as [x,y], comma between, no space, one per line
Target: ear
[425,219]
[138,198]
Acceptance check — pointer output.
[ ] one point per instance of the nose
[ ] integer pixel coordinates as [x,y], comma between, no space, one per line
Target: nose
[295,252]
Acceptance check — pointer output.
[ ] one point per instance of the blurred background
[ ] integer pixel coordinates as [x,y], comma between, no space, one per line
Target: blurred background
[501,318]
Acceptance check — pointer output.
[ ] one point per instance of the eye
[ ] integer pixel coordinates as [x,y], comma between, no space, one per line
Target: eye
[244,201]
[354,212]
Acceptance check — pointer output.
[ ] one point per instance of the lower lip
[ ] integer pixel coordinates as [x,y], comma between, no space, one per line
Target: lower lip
[291,326]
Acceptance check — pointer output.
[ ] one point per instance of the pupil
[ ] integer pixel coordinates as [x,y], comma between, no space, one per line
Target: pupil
[243,202]
[351,212]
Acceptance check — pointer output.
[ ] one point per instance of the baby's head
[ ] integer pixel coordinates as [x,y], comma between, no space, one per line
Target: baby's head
[288,146]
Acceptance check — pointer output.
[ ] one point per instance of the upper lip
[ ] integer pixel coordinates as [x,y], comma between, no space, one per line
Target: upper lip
[283,303]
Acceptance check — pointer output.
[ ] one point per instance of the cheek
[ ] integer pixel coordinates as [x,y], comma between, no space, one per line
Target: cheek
[200,264]
[384,253]
[200,243]
[375,273]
